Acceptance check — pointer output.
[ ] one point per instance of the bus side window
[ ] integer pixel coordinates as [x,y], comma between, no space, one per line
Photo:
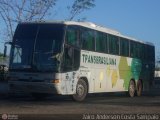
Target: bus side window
[106,42]
[100,42]
[124,47]
[133,50]
[72,36]
[150,52]
[142,51]
[113,44]
[139,50]
[88,39]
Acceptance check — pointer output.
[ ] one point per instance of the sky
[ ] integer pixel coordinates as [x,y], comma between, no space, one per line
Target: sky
[139,19]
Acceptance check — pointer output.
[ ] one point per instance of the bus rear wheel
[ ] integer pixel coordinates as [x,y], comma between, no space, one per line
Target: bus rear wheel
[139,88]
[81,91]
[132,88]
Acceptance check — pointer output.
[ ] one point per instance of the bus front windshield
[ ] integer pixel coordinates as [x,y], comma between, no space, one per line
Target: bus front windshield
[36,47]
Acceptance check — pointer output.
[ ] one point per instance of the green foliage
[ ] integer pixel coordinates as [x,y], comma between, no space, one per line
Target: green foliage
[79,6]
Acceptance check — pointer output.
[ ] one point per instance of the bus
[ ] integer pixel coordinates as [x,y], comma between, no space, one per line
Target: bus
[78,58]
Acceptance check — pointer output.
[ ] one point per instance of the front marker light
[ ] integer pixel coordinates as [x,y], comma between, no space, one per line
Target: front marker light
[56,81]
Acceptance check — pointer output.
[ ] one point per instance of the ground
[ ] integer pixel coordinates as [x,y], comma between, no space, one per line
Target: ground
[93,105]
[63,107]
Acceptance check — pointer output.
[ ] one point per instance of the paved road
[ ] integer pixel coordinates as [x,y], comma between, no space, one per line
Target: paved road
[93,104]
[64,106]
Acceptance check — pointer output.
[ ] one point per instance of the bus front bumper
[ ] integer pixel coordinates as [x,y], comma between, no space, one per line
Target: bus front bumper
[34,87]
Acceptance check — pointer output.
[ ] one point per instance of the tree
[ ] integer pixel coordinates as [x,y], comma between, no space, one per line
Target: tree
[14,11]
[79,6]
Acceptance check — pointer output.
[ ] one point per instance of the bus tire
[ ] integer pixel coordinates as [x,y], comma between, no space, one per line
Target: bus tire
[139,88]
[132,88]
[81,91]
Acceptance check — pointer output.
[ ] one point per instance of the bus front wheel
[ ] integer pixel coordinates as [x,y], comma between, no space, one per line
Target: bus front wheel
[132,88]
[81,91]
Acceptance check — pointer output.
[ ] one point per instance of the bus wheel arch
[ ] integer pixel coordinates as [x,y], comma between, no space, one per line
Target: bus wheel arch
[139,87]
[86,80]
[81,90]
[132,88]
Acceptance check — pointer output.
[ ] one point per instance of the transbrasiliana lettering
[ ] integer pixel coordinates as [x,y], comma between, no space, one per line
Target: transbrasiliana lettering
[98,60]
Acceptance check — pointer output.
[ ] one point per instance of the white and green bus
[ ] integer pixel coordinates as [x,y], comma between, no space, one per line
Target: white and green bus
[78,58]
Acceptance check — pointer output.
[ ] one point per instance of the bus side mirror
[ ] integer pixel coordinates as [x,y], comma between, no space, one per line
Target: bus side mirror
[5,48]
[5,51]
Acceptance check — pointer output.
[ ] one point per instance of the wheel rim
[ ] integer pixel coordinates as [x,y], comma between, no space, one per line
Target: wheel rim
[80,90]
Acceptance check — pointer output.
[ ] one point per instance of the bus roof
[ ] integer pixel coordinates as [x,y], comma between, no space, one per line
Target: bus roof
[91,26]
